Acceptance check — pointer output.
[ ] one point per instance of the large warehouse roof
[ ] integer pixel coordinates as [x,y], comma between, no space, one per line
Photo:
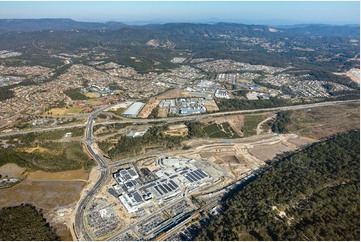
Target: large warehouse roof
[134,109]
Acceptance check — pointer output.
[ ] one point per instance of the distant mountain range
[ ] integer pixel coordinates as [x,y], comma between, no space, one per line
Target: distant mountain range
[10,25]
[30,25]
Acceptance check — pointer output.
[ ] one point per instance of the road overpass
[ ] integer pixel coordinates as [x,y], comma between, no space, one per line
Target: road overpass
[79,227]
[185,118]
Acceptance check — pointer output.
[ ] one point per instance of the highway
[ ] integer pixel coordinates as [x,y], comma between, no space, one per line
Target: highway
[79,227]
[183,118]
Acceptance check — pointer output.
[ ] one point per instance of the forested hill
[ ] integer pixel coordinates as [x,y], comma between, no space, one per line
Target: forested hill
[311,195]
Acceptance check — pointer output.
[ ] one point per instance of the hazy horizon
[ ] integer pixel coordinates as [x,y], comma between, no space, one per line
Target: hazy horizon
[271,13]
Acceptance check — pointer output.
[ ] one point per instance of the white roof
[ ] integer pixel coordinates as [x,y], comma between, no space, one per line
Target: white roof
[134,108]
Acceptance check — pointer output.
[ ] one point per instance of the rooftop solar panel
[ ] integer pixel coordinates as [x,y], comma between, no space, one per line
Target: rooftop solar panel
[191,176]
[163,189]
[171,186]
[129,184]
[203,173]
[137,197]
[199,174]
[156,188]
[174,176]
[196,176]
[173,183]
[131,172]
[166,187]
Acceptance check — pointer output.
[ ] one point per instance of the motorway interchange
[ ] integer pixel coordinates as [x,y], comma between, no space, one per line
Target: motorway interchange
[167,227]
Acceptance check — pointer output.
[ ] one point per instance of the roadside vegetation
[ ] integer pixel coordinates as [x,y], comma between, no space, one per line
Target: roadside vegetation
[283,119]
[58,134]
[119,111]
[128,146]
[313,194]
[238,104]
[154,113]
[241,104]
[36,137]
[48,156]
[156,137]
[195,129]
[25,223]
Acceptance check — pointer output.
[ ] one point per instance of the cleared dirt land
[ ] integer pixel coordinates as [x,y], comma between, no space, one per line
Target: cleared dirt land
[322,122]
[43,194]
[211,105]
[75,175]
[91,94]
[51,192]
[177,130]
[64,111]
[47,195]
[268,152]
[11,170]
[354,74]
[148,108]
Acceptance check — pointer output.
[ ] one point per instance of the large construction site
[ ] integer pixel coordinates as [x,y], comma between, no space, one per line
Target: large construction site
[154,196]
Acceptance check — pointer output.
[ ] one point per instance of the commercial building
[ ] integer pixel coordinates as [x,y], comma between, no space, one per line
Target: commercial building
[221,94]
[133,110]
[252,95]
[174,176]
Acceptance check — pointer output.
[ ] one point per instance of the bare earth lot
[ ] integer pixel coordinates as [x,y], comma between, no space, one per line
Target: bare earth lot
[46,195]
[50,191]
[11,170]
[322,122]
[43,194]
[148,108]
[75,175]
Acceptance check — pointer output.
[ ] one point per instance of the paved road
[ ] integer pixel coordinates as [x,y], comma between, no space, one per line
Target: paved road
[187,118]
[79,227]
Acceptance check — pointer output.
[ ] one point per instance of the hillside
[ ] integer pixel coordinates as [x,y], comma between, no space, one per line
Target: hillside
[311,195]
[301,46]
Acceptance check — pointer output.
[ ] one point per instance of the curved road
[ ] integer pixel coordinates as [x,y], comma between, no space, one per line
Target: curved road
[79,228]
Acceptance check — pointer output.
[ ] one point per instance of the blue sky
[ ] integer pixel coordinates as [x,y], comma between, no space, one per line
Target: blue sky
[248,12]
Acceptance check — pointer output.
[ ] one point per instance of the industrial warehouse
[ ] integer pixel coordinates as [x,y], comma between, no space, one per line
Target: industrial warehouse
[133,110]
[184,106]
[175,177]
